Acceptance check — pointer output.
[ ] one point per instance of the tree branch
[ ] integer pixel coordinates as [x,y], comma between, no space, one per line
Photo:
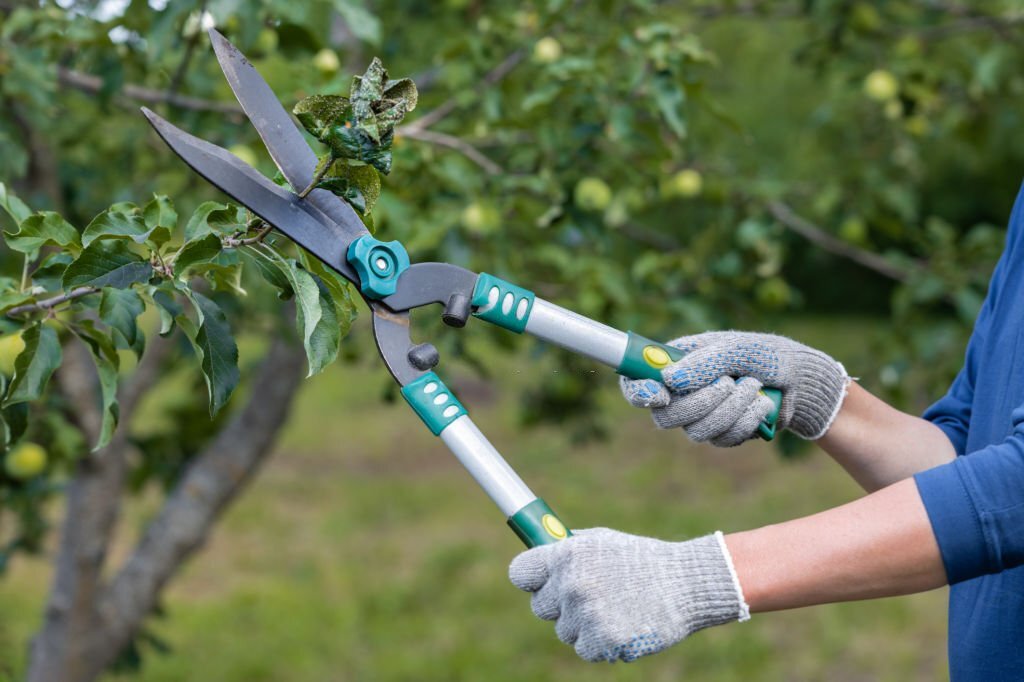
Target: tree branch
[49,303]
[94,84]
[451,142]
[814,234]
[186,59]
[216,476]
[493,77]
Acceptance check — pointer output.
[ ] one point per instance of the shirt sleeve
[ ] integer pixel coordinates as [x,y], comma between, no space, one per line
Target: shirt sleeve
[976,507]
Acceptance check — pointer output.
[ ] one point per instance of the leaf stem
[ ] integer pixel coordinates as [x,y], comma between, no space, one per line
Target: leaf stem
[24,274]
[320,173]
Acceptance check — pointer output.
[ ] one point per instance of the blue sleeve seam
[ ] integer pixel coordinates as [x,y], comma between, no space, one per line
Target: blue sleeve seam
[979,526]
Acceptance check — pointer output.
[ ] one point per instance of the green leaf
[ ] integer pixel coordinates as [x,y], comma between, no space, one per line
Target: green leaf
[107,264]
[271,270]
[107,362]
[670,97]
[359,20]
[356,144]
[318,113]
[15,418]
[50,272]
[168,308]
[120,224]
[119,309]
[13,206]
[358,185]
[402,90]
[367,90]
[196,251]
[340,290]
[159,212]
[34,365]
[40,229]
[315,316]
[213,218]
[9,299]
[216,347]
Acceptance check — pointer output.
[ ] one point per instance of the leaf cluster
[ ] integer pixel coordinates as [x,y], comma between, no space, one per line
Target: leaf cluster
[358,132]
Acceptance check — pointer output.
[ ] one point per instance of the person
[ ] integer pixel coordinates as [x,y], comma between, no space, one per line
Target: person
[945,502]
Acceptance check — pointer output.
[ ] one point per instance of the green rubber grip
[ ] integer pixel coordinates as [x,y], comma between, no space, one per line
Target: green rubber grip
[434,402]
[502,303]
[644,359]
[766,429]
[536,524]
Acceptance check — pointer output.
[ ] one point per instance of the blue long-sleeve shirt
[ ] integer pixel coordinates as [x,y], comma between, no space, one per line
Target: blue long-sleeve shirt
[976,502]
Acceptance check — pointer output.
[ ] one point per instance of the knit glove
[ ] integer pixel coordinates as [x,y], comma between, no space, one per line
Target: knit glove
[714,391]
[616,596]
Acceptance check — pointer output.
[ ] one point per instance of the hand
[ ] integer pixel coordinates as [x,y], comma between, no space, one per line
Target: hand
[618,596]
[699,392]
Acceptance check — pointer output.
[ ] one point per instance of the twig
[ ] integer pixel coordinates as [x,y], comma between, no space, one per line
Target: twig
[49,303]
[94,84]
[233,242]
[494,76]
[190,48]
[814,234]
[451,142]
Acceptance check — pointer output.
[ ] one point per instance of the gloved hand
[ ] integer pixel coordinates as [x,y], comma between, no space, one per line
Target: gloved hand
[700,395]
[618,596]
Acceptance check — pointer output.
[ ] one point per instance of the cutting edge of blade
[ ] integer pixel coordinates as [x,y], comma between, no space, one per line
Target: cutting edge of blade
[280,134]
[330,246]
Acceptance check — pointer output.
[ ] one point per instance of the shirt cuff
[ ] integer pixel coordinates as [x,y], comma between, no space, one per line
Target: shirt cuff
[955,522]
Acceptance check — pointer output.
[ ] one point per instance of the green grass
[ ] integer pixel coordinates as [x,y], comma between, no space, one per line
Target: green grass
[364,552]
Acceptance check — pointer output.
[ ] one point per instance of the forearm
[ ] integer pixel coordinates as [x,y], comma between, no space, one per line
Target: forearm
[879,445]
[880,545]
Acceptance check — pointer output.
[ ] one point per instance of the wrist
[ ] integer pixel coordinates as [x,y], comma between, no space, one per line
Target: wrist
[744,608]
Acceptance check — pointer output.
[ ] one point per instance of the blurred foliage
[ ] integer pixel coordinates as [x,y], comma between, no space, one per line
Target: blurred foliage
[665,167]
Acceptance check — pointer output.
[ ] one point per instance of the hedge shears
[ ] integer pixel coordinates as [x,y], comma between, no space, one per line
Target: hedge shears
[329,229]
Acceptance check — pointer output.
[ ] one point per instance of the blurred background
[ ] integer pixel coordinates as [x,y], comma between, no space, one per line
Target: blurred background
[835,170]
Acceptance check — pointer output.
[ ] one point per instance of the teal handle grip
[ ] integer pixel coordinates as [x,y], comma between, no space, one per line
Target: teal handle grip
[502,303]
[644,359]
[536,524]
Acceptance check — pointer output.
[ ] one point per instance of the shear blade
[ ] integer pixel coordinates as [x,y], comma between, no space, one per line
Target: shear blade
[280,135]
[303,223]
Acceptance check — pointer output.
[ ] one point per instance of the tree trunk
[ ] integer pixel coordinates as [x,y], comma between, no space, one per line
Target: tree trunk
[88,622]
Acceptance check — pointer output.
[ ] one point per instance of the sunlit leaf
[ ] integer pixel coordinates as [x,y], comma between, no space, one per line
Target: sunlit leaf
[34,365]
[40,229]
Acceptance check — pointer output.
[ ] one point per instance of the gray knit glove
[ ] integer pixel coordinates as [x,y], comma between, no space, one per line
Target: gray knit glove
[700,395]
[618,596]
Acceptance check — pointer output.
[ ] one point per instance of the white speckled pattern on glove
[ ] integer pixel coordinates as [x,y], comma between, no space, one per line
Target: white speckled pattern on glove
[700,395]
[616,596]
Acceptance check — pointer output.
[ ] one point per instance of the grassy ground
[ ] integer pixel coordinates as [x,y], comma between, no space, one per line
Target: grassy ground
[364,552]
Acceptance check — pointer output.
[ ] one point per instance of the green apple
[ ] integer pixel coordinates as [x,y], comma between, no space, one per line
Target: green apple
[881,86]
[547,50]
[592,194]
[25,460]
[479,218]
[773,292]
[326,60]
[686,183]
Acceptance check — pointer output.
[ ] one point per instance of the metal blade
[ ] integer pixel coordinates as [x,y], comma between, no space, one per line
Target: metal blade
[279,133]
[303,223]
